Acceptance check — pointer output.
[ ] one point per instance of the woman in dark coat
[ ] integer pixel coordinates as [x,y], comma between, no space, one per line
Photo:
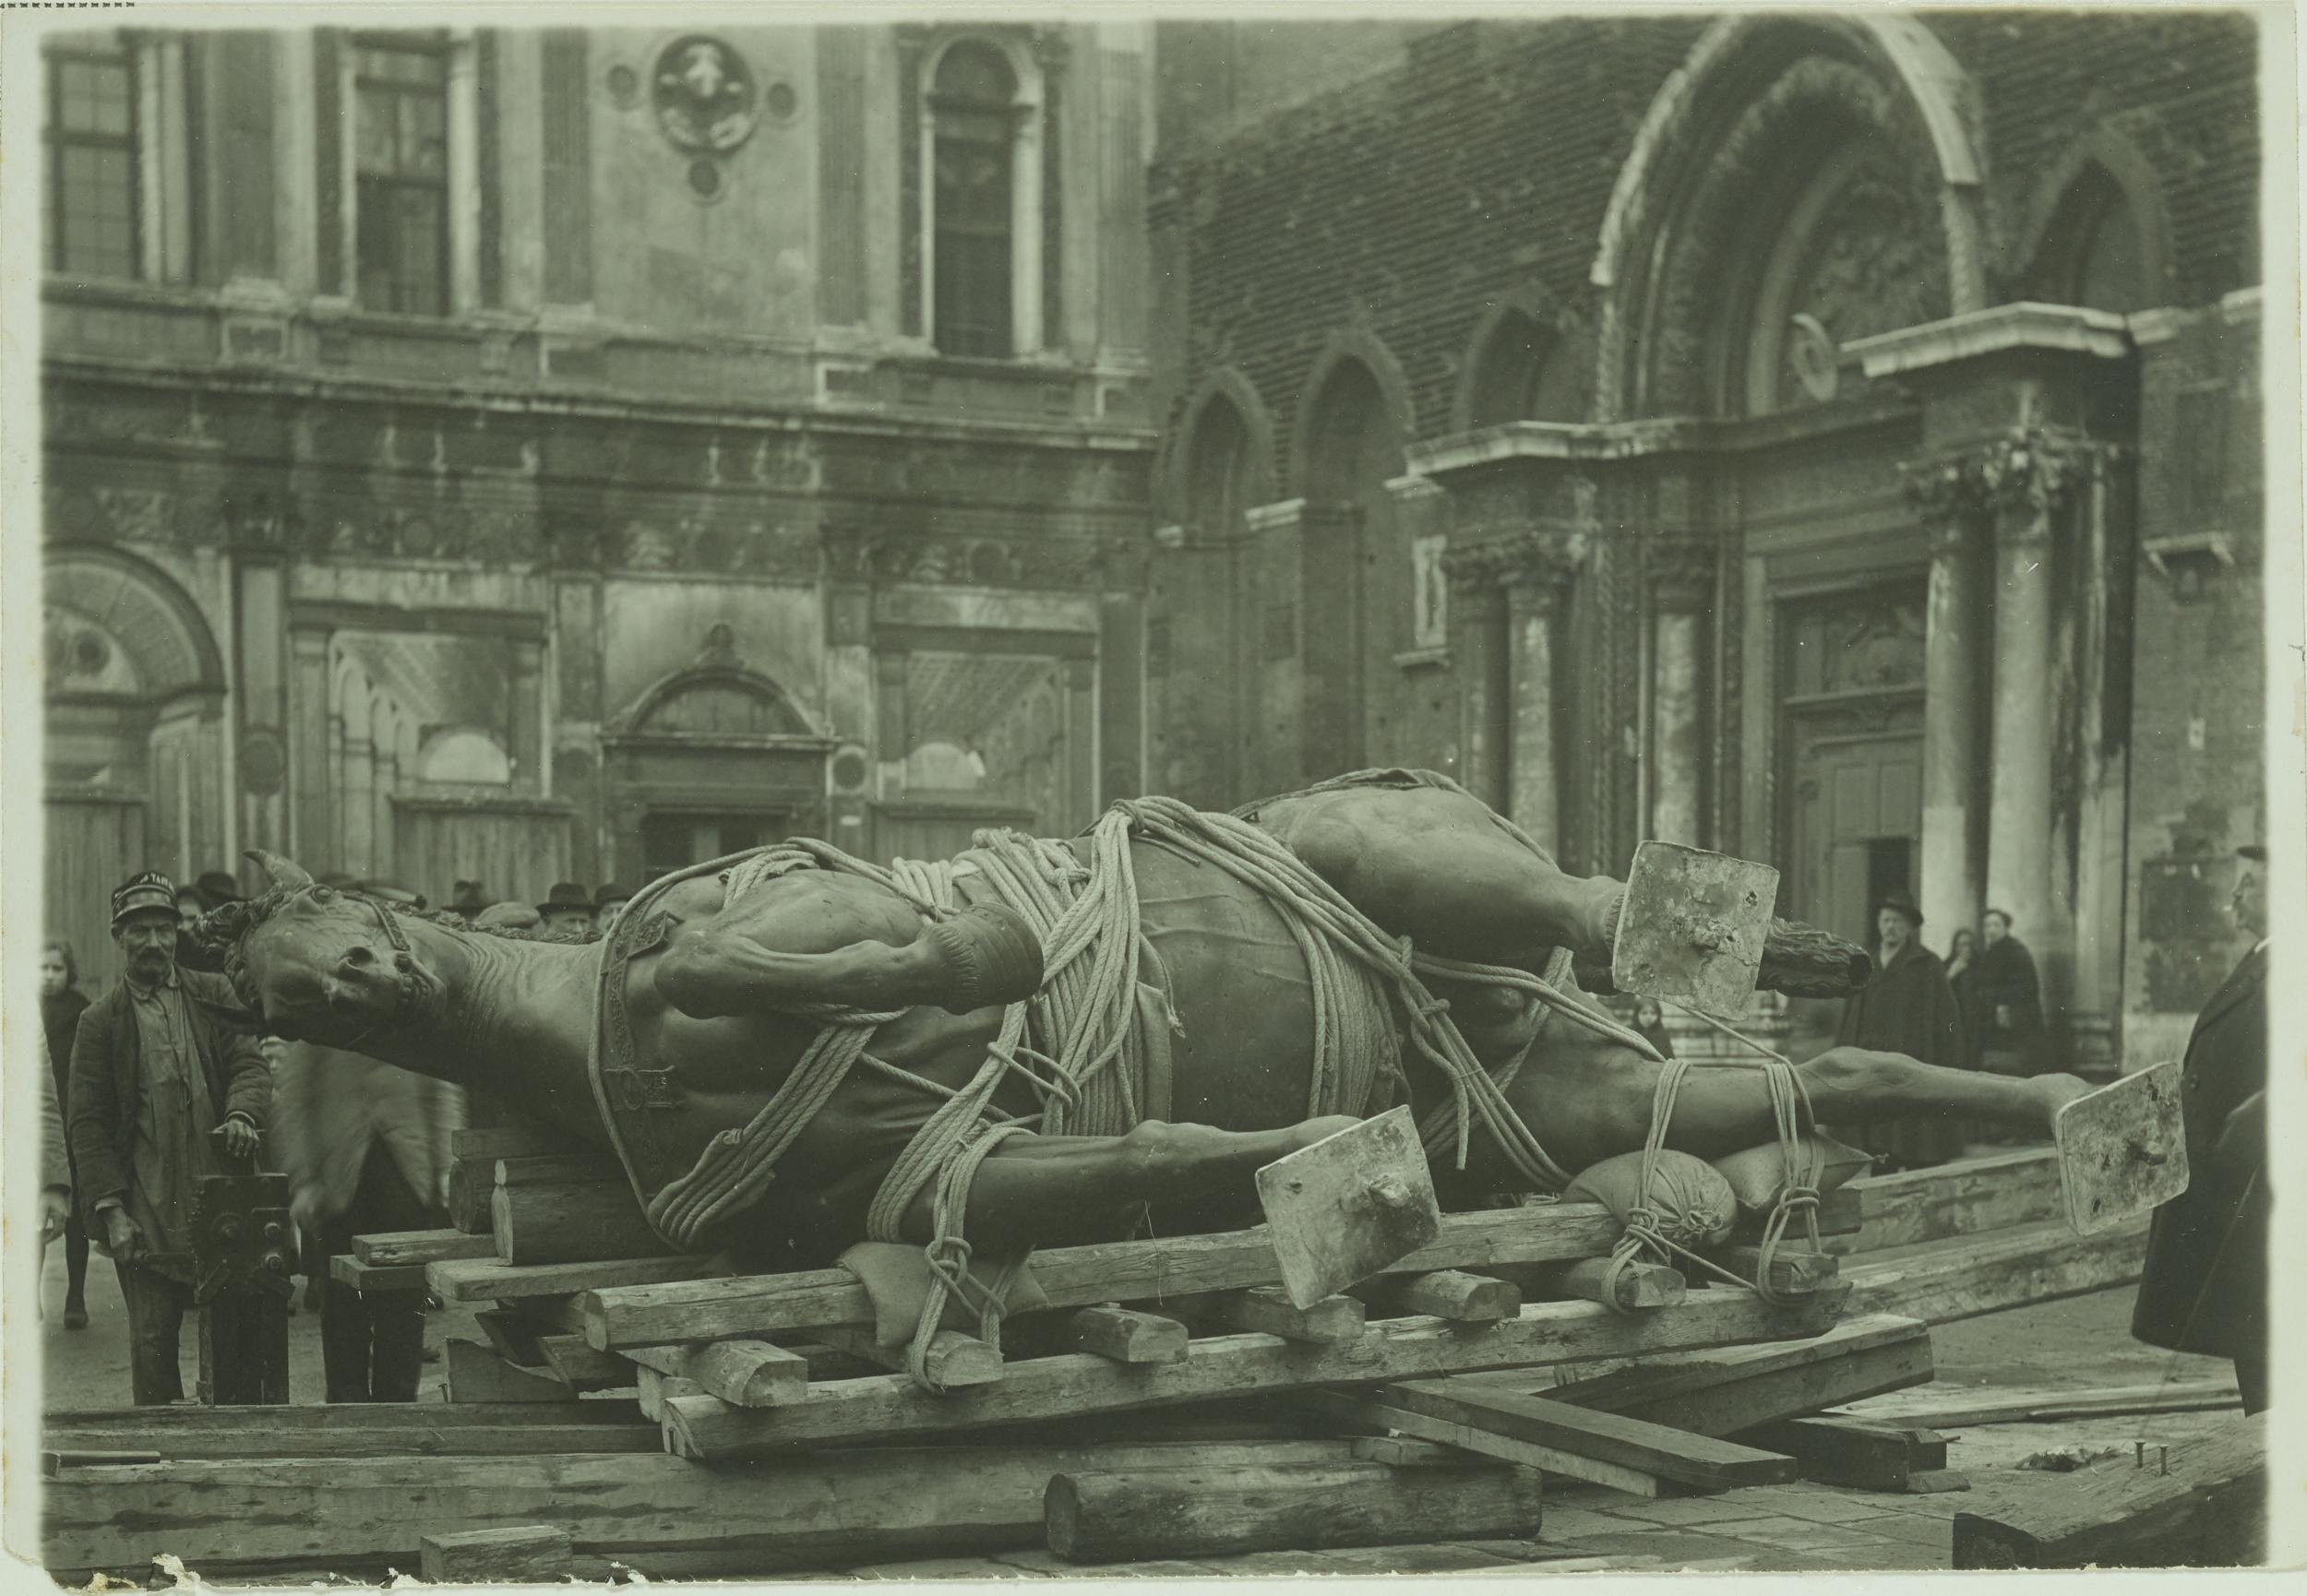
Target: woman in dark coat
[1908,1007]
[60,1006]
[2003,1004]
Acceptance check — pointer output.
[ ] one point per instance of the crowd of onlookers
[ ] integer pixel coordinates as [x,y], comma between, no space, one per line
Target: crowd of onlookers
[152,1091]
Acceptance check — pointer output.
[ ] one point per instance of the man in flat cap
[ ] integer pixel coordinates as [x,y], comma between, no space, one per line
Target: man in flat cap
[156,1088]
[2203,1287]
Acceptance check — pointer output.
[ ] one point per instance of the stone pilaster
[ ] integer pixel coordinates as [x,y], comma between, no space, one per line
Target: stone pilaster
[1953,647]
[1680,573]
[1514,748]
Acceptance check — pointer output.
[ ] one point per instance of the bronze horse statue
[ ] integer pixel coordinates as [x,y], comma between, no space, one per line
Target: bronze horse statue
[711,1001]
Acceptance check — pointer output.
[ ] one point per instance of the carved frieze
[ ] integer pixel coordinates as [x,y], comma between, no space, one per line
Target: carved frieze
[691,544]
[853,554]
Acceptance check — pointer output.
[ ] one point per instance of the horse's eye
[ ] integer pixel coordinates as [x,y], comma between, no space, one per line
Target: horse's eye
[324,895]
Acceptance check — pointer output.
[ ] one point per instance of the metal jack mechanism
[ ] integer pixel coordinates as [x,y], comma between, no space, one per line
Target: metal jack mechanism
[243,1253]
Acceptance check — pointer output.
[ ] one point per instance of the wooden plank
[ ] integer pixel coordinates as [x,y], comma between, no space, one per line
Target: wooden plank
[1702,1462]
[749,1374]
[514,1335]
[401,1247]
[2120,1516]
[1267,1310]
[560,1169]
[532,1554]
[1128,1272]
[952,1360]
[1969,1198]
[1852,1453]
[1227,1366]
[381,1417]
[347,1270]
[1124,1335]
[1962,1279]
[475,1373]
[581,1369]
[481,1280]
[2052,1406]
[328,1512]
[570,1224]
[1445,1294]
[1472,1439]
[1113,1516]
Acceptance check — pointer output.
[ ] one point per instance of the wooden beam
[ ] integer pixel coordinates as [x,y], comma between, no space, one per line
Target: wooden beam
[480,1280]
[2053,1406]
[1124,1335]
[1852,1453]
[331,1511]
[581,1369]
[1959,1280]
[1445,1294]
[347,1270]
[570,1224]
[1225,1365]
[1701,1462]
[561,1169]
[1268,1311]
[1472,1440]
[534,1553]
[2120,1516]
[749,1374]
[1142,1272]
[1969,1198]
[393,1249]
[1109,1518]
[1636,1286]
[952,1360]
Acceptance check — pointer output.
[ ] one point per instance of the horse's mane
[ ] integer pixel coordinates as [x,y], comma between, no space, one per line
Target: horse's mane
[223,930]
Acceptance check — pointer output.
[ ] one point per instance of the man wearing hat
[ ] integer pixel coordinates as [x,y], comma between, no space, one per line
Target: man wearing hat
[2203,1286]
[567,907]
[157,1090]
[1908,1007]
[605,906]
[466,900]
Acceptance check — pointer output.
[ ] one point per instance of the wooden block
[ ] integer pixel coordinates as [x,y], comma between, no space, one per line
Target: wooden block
[2122,1149]
[581,1369]
[347,1270]
[1932,1481]
[1445,1294]
[477,1375]
[569,1224]
[522,1138]
[952,1361]
[749,1374]
[1226,1366]
[1349,1206]
[1124,1335]
[1109,1518]
[1692,927]
[514,1335]
[1145,1271]
[560,1169]
[1969,1198]
[1701,1462]
[656,1389]
[1793,1271]
[480,1280]
[534,1553]
[1852,1453]
[1638,1285]
[1267,1310]
[1961,1279]
[2119,1515]
[394,1248]
[1402,1452]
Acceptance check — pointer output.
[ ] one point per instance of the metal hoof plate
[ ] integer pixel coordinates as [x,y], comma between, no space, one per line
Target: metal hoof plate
[1344,1209]
[2122,1149]
[1692,927]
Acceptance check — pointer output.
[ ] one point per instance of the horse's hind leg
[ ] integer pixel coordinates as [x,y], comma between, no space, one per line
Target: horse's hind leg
[1435,866]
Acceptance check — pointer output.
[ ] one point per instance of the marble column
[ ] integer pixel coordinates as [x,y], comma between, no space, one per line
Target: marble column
[1952,646]
[309,772]
[1538,590]
[1683,586]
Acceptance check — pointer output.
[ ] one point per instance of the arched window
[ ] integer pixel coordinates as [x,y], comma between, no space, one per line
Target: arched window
[977,242]
[1217,470]
[1520,375]
[2091,252]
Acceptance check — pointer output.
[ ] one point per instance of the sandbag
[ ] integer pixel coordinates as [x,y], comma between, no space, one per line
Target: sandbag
[1759,1174]
[1692,1201]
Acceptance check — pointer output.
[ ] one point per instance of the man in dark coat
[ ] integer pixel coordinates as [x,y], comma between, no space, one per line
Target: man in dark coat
[156,1087]
[1907,1008]
[2004,999]
[2203,1287]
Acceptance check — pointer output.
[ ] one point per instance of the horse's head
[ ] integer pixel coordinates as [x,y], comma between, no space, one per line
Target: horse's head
[314,963]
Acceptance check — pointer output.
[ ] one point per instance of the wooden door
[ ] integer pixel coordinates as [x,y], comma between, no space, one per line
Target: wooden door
[1859,829]
[93,845]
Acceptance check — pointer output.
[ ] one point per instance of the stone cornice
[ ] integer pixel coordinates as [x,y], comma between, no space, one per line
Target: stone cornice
[1560,444]
[2028,472]
[2024,327]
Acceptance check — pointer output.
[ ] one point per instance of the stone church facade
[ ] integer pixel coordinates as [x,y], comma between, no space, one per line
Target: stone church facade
[1833,440]
[530,456]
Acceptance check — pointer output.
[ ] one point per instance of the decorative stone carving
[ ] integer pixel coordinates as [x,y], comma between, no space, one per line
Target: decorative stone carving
[2029,472]
[704,96]
[1681,571]
[1548,562]
[1881,644]
[759,550]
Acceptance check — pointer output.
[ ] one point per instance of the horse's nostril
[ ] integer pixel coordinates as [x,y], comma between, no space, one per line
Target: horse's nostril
[358,957]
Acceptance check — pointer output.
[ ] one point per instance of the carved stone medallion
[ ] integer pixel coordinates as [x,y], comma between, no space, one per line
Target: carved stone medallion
[706,100]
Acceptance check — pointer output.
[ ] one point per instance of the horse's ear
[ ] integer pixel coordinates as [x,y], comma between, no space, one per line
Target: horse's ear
[215,995]
[284,872]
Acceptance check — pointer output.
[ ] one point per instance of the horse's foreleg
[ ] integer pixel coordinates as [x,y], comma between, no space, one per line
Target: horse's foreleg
[1038,1191]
